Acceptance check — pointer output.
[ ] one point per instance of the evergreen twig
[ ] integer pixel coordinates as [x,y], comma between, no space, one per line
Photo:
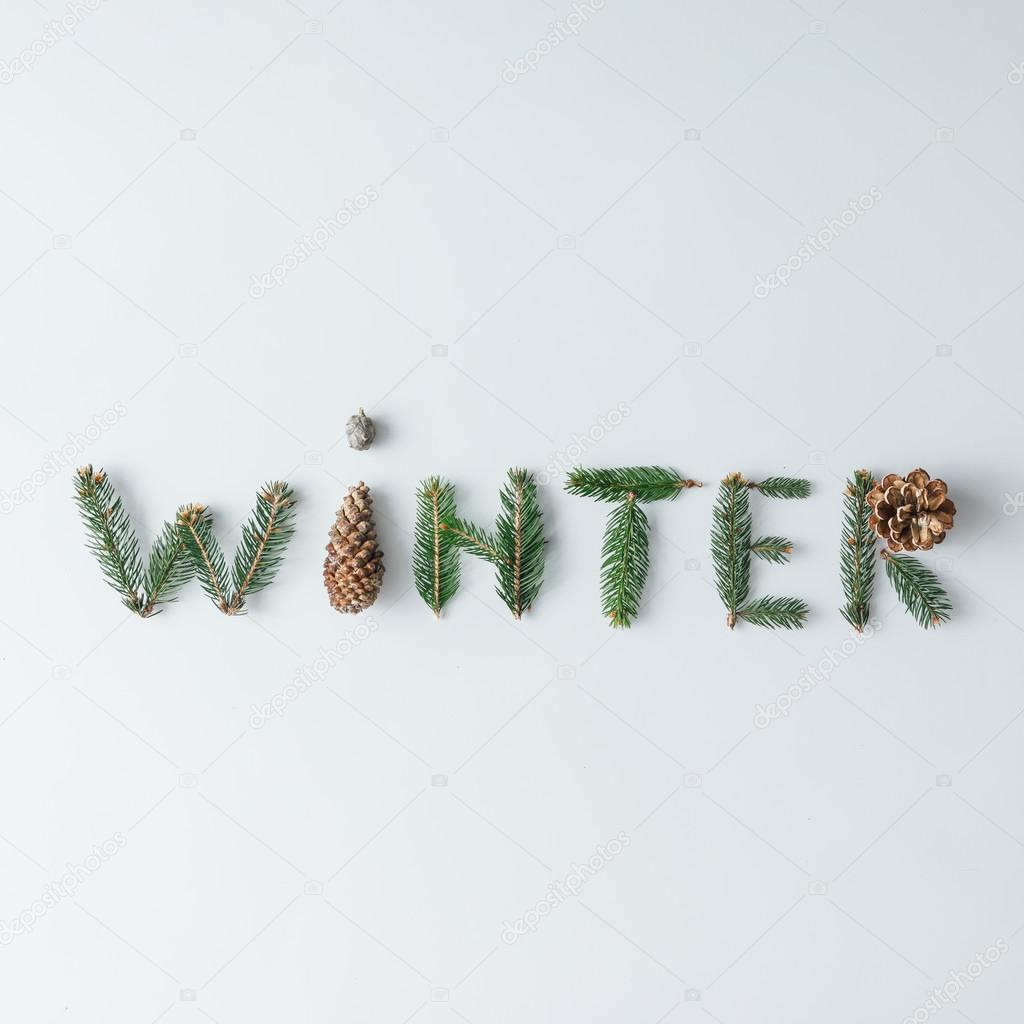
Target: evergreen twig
[730,544]
[645,483]
[195,524]
[111,537]
[168,569]
[919,589]
[625,562]
[731,550]
[517,545]
[262,545]
[772,549]
[856,562]
[783,487]
[473,539]
[519,535]
[775,612]
[435,558]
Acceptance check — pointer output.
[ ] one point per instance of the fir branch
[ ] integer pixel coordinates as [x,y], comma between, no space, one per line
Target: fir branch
[111,537]
[624,562]
[730,544]
[783,487]
[856,564]
[519,538]
[918,588]
[262,545]
[772,549]
[168,569]
[195,524]
[775,612]
[469,537]
[435,558]
[645,483]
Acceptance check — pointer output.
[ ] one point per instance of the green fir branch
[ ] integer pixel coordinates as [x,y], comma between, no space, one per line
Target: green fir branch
[775,612]
[730,544]
[646,483]
[168,569]
[772,549]
[856,555]
[625,562]
[519,538]
[435,557]
[263,542]
[469,537]
[111,537]
[919,589]
[783,487]
[195,524]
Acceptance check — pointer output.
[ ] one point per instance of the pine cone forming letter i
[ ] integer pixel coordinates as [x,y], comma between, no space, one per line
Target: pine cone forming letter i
[354,566]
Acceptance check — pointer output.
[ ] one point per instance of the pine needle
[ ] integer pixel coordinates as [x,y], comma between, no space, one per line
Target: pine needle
[625,562]
[111,537]
[435,558]
[646,483]
[919,589]
[856,561]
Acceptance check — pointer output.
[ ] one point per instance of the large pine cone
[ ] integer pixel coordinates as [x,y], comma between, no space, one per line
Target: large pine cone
[911,513]
[354,566]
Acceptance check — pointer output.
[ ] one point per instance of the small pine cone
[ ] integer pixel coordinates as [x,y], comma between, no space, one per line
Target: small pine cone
[354,566]
[911,513]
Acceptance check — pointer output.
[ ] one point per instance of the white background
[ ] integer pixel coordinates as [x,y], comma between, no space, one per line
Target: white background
[540,251]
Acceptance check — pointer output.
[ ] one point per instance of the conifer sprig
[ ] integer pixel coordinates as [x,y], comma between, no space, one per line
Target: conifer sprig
[645,483]
[783,487]
[195,524]
[435,557]
[772,549]
[263,542]
[730,544]
[775,612]
[625,562]
[516,547]
[919,589]
[474,540]
[168,570]
[731,550]
[519,538]
[856,561]
[111,537]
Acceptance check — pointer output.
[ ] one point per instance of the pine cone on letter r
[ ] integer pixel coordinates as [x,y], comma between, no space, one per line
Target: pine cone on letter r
[911,513]
[354,566]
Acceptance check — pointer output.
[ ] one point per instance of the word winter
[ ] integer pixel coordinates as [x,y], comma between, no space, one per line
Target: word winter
[909,513]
